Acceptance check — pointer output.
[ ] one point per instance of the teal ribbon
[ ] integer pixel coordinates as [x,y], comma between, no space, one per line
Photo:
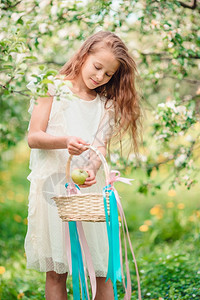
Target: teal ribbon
[112,223]
[77,264]
[66,185]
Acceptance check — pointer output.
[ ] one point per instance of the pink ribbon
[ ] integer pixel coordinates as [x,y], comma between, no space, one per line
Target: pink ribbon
[113,178]
[88,259]
[68,245]
[72,189]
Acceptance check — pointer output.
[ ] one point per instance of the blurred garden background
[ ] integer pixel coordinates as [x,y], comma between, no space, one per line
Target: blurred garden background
[162,206]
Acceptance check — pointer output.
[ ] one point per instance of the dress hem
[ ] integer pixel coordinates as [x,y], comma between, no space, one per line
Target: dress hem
[31,267]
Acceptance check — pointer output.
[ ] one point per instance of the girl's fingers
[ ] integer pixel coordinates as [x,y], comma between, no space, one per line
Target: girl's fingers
[87,184]
[91,176]
[76,149]
[83,142]
[90,180]
[72,152]
[82,148]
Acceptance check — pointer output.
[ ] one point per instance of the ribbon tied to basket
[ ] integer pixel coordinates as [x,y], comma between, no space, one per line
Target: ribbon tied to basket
[115,263]
[76,241]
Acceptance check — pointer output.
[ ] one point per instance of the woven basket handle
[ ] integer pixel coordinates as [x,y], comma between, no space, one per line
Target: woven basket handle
[102,158]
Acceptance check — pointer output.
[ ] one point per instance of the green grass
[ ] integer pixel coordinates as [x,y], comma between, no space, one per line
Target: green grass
[166,239]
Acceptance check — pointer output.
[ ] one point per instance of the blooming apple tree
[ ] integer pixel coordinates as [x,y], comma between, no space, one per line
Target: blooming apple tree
[37,37]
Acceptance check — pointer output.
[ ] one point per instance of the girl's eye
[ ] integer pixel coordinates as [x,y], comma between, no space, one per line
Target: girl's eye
[97,68]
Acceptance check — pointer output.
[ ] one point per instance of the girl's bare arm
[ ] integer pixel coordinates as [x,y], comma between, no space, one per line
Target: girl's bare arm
[95,162]
[37,136]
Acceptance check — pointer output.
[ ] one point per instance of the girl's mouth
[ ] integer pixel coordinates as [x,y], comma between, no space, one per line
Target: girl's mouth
[94,82]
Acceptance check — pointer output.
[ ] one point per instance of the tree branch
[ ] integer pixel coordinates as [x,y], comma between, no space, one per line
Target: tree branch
[193,6]
[192,81]
[168,58]
[18,92]
[157,164]
[11,6]
[47,63]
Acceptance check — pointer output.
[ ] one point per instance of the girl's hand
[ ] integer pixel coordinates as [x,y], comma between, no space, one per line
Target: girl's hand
[75,145]
[90,180]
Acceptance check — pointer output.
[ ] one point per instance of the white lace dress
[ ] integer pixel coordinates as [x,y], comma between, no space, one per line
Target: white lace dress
[45,243]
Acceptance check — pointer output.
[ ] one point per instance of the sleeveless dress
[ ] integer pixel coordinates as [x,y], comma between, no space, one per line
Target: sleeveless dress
[45,241]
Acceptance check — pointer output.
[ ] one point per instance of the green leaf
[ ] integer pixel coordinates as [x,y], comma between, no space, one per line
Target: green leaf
[7,67]
[51,72]
[198,41]
[20,21]
[42,67]
[31,57]
[46,81]
[36,42]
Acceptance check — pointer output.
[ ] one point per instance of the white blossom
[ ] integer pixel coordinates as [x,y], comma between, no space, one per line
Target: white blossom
[181,133]
[170,45]
[161,105]
[42,27]
[166,26]
[114,157]
[171,104]
[43,3]
[2,35]
[161,136]
[173,115]
[19,57]
[180,160]
[157,75]
[166,154]
[15,16]
[166,130]
[189,114]
[143,158]
[190,163]
[131,157]
[54,10]
[182,150]
[189,138]
[62,33]
[181,109]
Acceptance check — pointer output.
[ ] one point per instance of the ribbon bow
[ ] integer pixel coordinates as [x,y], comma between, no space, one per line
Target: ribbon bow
[115,176]
[72,188]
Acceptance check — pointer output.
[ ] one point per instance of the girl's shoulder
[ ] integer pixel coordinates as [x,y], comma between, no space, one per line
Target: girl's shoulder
[59,85]
[57,88]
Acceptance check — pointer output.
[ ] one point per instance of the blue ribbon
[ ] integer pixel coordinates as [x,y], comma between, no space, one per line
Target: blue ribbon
[114,265]
[66,185]
[77,263]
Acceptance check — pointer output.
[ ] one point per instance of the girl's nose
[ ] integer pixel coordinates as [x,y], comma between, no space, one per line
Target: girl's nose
[99,76]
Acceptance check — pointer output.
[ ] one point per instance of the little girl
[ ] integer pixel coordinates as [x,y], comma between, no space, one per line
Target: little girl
[100,99]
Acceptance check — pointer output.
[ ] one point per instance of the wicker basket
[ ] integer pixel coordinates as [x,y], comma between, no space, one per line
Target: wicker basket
[84,207]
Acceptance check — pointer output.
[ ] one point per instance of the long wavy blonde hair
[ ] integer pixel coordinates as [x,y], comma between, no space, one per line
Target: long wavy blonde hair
[120,88]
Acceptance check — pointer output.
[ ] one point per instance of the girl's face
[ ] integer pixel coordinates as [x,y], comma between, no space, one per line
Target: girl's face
[98,68]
